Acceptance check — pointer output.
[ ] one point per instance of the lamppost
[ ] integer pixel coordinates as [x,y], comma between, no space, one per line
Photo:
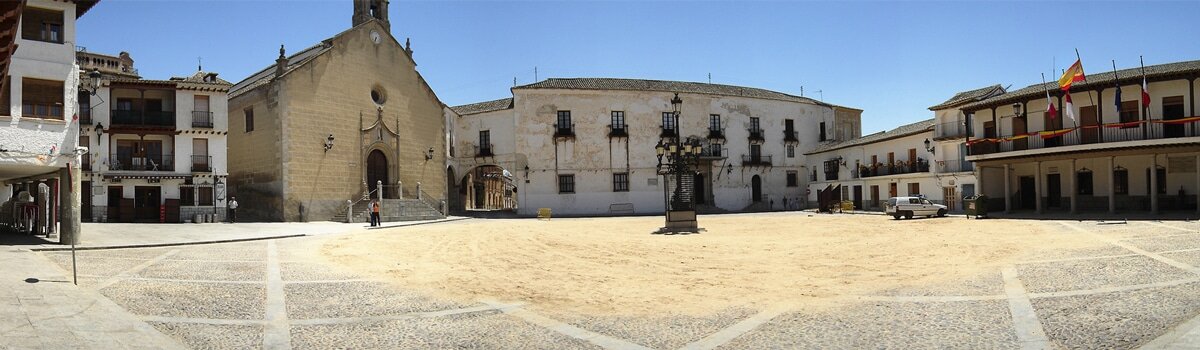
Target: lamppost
[678,158]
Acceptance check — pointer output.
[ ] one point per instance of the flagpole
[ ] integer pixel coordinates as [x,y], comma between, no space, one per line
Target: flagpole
[1142,62]
[1089,91]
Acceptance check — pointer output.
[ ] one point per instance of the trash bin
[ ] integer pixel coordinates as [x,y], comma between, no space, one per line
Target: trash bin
[976,206]
[198,218]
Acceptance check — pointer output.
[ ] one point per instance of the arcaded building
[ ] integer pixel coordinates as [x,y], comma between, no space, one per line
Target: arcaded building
[329,124]
[586,146]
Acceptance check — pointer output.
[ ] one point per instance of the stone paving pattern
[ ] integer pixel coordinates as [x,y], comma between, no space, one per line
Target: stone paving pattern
[216,296]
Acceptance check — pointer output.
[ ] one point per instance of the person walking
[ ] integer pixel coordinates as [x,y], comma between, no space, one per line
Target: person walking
[233,204]
[375,213]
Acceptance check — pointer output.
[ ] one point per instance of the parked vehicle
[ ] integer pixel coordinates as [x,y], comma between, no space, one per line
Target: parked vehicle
[913,206]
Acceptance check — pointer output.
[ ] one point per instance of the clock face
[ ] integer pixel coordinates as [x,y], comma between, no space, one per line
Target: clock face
[375,37]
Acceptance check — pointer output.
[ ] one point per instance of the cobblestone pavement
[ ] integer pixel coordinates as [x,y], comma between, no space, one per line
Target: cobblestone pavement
[1142,289]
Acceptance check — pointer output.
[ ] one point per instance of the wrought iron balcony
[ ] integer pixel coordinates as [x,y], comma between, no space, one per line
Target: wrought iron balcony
[162,162]
[667,131]
[881,169]
[564,130]
[954,166]
[789,136]
[716,133]
[202,119]
[1088,134]
[618,130]
[713,151]
[756,160]
[756,134]
[484,151]
[150,119]
[201,164]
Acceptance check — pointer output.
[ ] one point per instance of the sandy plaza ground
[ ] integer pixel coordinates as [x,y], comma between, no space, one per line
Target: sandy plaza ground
[750,281]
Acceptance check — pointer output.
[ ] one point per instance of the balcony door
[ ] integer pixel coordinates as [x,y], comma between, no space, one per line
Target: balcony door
[201,116]
[1172,109]
[1020,126]
[200,159]
[1052,124]
[146,202]
[138,155]
[1088,119]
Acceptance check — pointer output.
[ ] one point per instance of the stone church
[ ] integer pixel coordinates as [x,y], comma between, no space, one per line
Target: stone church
[324,127]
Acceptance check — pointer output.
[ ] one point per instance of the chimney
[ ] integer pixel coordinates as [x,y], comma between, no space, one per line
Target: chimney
[280,63]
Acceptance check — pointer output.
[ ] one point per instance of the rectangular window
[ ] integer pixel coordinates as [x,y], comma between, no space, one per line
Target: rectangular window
[792,181]
[914,188]
[621,182]
[206,195]
[566,183]
[200,159]
[754,124]
[187,196]
[791,151]
[755,152]
[42,25]
[485,139]
[1129,111]
[564,120]
[822,135]
[41,98]
[618,119]
[668,121]
[1083,182]
[831,169]
[714,122]
[788,124]
[989,129]
[249,119]
[1121,181]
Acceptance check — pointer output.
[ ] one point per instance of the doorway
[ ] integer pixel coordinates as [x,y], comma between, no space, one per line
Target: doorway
[858,200]
[874,196]
[1053,191]
[1020,127]
[950,198]
[1091,132]
[1172,109]
[377,171]
[146,201]
[1026,192]
[698,185]
[892,190]
[85,201]
[756,189]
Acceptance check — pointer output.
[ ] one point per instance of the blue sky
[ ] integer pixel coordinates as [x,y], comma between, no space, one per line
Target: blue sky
[891,59]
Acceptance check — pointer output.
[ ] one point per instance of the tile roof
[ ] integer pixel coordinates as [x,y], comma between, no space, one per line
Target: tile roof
[483,107]
[1131,76]
[199,76]
[668,86]
[194,82]
[969,96]
[294,61]
[901,131]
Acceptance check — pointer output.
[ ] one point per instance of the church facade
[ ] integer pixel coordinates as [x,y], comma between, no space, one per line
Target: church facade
[323,128]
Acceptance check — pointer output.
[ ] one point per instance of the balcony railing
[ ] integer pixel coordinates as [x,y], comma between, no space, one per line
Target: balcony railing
[789,136]
[202,119]
[713,151]
[667,130]
[756,160]
[954,166]
[1092,134]
[618,130]
[715,133]
[164,162]
[756,134]
[484,151]
[920,166]
[143,118]
[564,130]
[201,164]
[949,130]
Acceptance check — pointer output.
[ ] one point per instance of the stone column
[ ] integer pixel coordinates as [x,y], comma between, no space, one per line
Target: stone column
[1154,184]
[1074,186]
[1112,195]
[1007,192]
[69,202]
[1037,187]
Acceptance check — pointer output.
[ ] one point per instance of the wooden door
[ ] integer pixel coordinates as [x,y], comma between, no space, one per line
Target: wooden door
[875,196]
[891,190]
[377,171]
[146,202]
[114,204]
[950,197]
[1090,123]
[858,200]
[85,201]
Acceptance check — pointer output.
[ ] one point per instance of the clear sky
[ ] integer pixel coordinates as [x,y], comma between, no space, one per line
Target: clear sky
[891,59]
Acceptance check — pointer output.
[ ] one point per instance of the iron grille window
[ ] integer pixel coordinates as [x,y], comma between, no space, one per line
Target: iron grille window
[668,120]
[618,120]
[187,196]
[566,183]
[1121,181]
[791,179]
[1084,181]
[621,182]
[831,169]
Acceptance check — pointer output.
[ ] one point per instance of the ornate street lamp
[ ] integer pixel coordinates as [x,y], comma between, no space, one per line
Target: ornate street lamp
[678,158]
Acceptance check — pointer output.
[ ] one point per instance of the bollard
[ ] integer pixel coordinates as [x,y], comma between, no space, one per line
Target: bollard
[418,190]
[400,188]
[349,211]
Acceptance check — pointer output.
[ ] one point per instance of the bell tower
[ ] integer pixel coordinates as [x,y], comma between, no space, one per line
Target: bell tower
[366,10]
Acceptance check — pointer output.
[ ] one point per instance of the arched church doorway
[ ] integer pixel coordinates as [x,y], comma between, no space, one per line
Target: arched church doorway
[377,171]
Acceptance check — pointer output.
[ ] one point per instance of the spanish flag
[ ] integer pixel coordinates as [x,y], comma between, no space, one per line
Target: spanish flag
[1071,75]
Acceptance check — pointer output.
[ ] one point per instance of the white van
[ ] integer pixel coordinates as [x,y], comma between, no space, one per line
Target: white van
[913,206]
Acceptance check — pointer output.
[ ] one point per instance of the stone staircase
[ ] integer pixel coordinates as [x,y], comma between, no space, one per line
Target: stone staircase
[393,210]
